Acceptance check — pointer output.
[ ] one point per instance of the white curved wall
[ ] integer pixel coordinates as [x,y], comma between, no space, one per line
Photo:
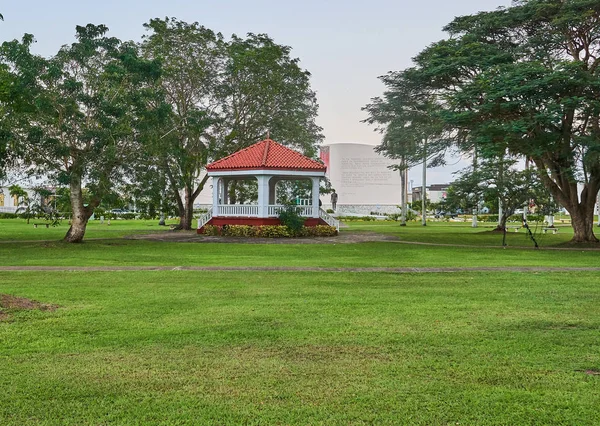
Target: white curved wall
[361,176]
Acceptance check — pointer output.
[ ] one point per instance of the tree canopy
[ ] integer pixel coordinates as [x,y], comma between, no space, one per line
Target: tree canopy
[83,106]
[222,96]
[526,80]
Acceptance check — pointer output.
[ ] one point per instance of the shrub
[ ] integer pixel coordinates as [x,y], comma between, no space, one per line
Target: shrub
[8,215]
[211,230]
[330,211]
[356,218]
[394,216]
[274,231]
[239,231]
[290,218]
[490,218]
[319,231]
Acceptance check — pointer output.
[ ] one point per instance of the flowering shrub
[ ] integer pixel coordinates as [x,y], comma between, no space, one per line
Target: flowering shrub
[319,231]
[269,231]
[211,230]
[274,231]
[240,231]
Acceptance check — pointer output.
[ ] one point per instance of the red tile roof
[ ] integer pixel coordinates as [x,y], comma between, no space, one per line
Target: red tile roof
[267,154]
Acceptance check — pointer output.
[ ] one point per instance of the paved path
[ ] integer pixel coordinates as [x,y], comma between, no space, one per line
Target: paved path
[300,269]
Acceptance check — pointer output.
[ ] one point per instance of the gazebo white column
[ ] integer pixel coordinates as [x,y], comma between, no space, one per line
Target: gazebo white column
[315,196]
[215,188]
[263,195]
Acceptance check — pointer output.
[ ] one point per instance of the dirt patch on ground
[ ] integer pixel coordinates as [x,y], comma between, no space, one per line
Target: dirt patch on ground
[192,237]
[10,304]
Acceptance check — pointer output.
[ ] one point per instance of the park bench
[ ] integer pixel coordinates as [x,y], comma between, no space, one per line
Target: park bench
[554,230]
[35,225]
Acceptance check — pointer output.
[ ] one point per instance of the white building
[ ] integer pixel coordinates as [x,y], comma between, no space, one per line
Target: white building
[362,179]
[8,203]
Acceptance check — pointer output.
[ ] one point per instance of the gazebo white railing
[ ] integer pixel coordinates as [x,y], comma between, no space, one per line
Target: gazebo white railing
[243,210]
[304,211]
[205,218]
[330,220]
[274,209]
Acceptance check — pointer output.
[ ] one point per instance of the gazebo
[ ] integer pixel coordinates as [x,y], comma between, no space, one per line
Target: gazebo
[269,163]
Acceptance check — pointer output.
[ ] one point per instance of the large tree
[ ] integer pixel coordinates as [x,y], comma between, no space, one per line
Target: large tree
[191,57]
[223,96]
[526,79]
[411,132]
[84,105]
[495,180]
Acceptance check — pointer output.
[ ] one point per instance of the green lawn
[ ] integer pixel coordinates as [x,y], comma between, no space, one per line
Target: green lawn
[464,234]
[110,250]
[18,229]
[304,348]
[252,347]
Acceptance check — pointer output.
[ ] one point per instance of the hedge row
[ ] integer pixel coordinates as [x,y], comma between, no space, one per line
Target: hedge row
[8,216]
[269,231]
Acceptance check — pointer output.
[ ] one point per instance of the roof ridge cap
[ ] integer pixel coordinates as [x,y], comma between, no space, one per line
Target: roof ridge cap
[266,152]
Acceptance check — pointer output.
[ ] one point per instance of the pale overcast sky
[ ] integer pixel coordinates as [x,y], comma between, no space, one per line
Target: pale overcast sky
[345,44]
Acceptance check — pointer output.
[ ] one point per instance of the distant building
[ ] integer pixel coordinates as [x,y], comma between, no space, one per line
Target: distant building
[8,203]
[435,193]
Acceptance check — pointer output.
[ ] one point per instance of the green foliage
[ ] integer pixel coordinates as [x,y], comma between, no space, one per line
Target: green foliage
[290,217]
[269,231]
[526,80]
[356,218]
[240,231]
[81,121]
[214,96]
[319,231]
[274,231]
[211,230]
[406,115]
[492,180]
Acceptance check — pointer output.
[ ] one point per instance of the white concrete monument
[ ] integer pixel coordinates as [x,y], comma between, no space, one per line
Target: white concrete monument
[361,178]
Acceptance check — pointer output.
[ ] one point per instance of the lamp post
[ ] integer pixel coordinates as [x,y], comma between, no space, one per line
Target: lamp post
[403,192]
[424,187]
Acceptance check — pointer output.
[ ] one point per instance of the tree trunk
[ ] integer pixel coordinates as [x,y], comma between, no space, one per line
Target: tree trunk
[186,206]
[583,225]
[81,215]
[582,215]
[579,206]
[502,222]
[188,211]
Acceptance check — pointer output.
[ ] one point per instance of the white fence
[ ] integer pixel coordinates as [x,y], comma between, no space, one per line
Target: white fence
[304,211]
[248,210]
[5,209]
[252,210]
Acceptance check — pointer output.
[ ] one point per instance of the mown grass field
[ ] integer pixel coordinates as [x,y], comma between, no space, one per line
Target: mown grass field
[257,347]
